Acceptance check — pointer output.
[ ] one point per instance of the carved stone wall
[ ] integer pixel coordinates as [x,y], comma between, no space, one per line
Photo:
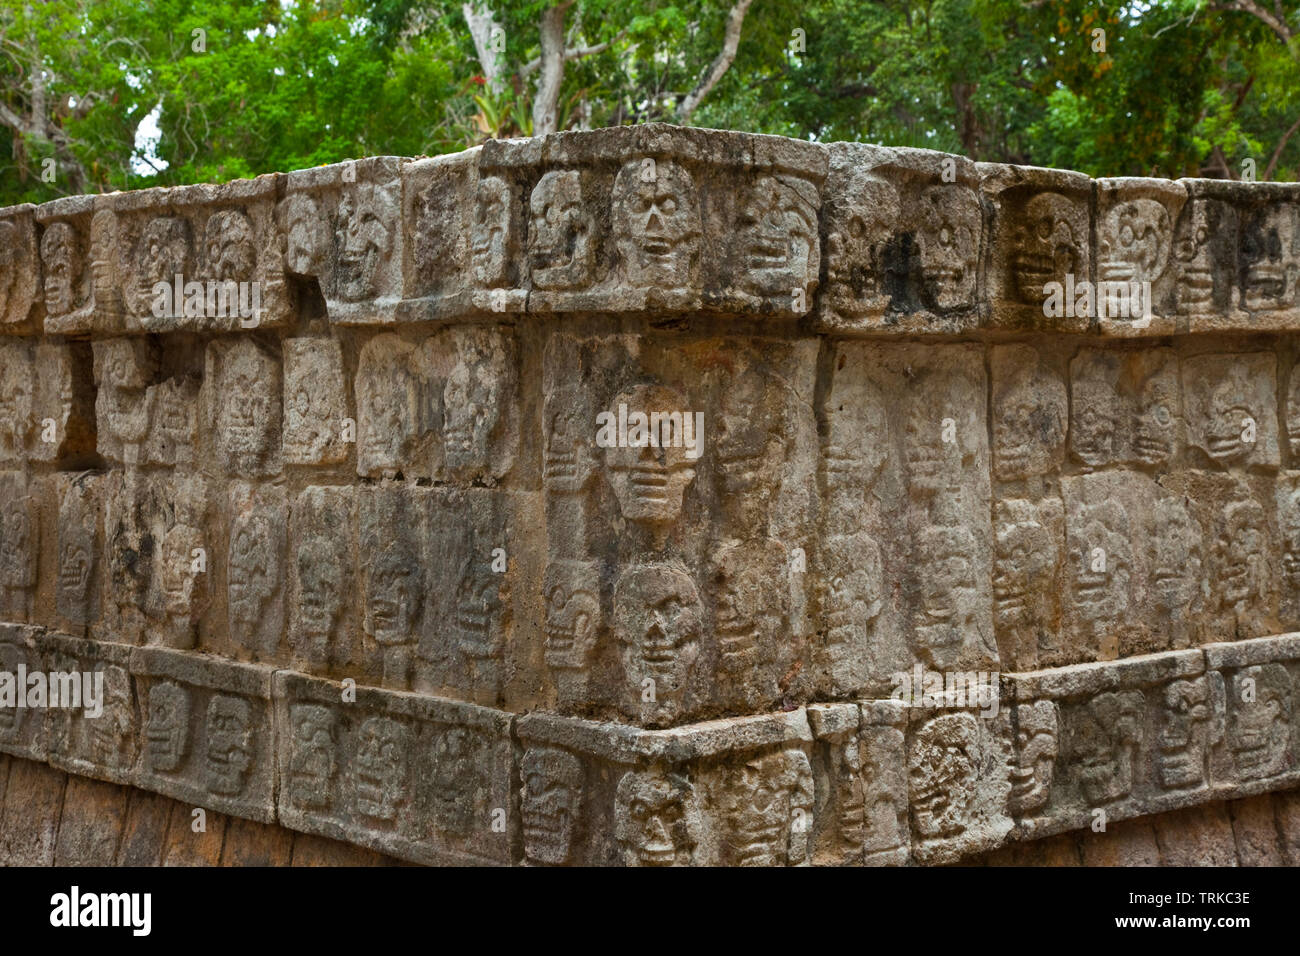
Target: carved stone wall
[311,469]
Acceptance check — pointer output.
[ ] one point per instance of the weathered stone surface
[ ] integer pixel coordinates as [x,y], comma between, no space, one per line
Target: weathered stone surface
[93,732]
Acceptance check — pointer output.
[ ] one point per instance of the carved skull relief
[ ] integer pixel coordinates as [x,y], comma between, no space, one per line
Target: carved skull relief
[656,223]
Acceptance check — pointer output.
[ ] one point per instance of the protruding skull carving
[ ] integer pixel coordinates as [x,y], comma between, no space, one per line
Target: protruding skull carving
[658,620]
[168,733]
[1096,428]
[1103,737]
[749,447]
[1047,246]
[1185,733]
[382,768]
[112,733]
[949,593]
[1134,242]
[230,746]
[305,236]
[1157,410]
[859,228]
[363,239]
[1102,560]
[1259,725]
[1288,519]
[472,399]
[569,459]
[943,766]
[253,572]
[492,233]
[179,582]
[61,259]
[1035,757]
[551,800]
[248,413]
[856,440]
[649,482]
[1176,550]
[312,761]
[656,222]
[394,595]
[78,526]
[459,763]
[162,253]
[230,247]
[933,453]
[1230,414]
[561,247]
[657,820]
[1029,414]
[850,793]
[776,237]
[1193,250]
[573,617]
[949,240]
[386,405]
[1270,256]
[1240,551]
[766,806]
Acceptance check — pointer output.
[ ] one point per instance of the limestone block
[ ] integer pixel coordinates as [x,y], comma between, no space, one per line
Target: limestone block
[341,225]
[63,405]
[424,779]
[256,578]
[22,307]
[1127,409]
[316,413]
[905,241]
[200,258]
[80,565]
[321,570]
[1040,234]
[461,233]
[1230,401]
[734,792]
[208,735]
[94,732]
[243,410]
[18,425]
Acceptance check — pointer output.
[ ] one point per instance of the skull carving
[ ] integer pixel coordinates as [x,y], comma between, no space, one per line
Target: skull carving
[649,481]
[851,593]
[305,237]
[656,221]
[253,573]
[312,762]
[949,240]
[230,247]
[1102,741]
[162,253]
[1035,756]
[859,227]
[61,259]
[569,460]
[1186,725]
[856,438]
[11,717]
[561,247]
[168,733]
[321,579]
[551,800]
[17,383]
[112,733]
[943,766]
[573,616]
[1270,256]
[775,243]
[472,399]
[658,620]
[1024,561]
[492,235]
[766,805]
[1102,560]
[1029,413]
[1134,243]
[248,416]
[394,595]
[363,240]
[1193,251]
[459,758]
[658,822]
[949,593]
[1240,551]
[1048,246]
[381,769]
[1259,729]
[229,752]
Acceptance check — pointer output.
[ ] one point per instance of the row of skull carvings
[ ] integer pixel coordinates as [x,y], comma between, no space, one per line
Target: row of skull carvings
[881,782]
[662,220]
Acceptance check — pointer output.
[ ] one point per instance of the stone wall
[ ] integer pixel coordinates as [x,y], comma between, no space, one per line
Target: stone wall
[355,559]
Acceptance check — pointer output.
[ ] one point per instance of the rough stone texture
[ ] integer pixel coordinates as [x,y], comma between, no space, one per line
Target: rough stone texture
[391,559]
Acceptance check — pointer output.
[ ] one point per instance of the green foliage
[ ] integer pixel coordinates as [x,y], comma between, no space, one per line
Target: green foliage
[1181,87]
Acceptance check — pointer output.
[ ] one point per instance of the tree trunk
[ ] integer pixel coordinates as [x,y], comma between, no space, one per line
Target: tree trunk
[546,103]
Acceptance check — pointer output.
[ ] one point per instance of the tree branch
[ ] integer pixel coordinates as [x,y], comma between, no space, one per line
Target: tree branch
[1277,153]
[1276,23]
[726,56]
